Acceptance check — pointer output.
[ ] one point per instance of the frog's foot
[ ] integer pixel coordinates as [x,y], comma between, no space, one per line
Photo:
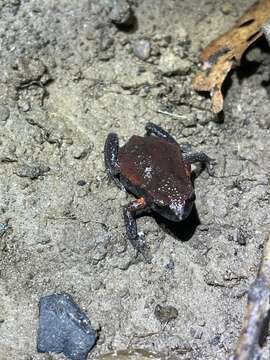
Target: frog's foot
[137,241]
[159,132]
[201,158]
[111,156]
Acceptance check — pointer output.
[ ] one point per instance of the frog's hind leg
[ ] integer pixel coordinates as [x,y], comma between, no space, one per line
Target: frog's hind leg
[201,158]
[137,241]
[111,156]
[159,132]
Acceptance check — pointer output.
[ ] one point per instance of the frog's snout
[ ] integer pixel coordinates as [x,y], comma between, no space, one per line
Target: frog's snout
[178,210]
[182,210]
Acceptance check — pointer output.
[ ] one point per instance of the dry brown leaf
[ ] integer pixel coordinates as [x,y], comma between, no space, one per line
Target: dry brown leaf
[225,53]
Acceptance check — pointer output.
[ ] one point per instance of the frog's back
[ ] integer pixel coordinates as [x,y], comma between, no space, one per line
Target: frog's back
[155,166]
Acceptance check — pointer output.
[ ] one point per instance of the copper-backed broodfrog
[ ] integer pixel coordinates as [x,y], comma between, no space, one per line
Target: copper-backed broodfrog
[156,170]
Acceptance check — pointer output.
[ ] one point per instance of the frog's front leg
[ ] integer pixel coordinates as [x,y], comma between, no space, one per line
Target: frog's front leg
[130,212]
[159,132]
[201,158]
[111,156]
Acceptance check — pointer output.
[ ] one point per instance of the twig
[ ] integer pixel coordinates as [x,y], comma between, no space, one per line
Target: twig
[256,316]
[176,116]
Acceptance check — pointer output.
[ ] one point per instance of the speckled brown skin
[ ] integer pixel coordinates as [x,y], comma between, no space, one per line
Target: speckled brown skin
[154,169]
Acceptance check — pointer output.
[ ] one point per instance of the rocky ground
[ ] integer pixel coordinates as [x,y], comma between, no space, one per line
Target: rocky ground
[71,72]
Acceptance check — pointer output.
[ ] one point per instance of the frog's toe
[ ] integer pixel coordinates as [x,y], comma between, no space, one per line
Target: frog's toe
[142,248]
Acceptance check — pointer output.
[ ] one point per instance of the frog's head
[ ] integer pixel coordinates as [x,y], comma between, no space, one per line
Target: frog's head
[176,209]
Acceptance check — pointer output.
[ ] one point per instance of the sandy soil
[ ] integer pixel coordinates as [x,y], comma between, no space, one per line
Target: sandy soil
[71,72]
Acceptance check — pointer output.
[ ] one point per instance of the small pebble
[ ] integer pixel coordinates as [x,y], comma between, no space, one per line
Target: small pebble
[121,12]
[255,54]
[215,340]
[32,171]
[141,70]
[4,113]
[170,265]
[240,237]
[227,8]
[30,69]
[203,227]
[142,49]
[165,313]
[81,182]
[24,105]
[105,42]
[201,322]
[170,64]
[190,120]
[264,121]
[82,152]
[146,88]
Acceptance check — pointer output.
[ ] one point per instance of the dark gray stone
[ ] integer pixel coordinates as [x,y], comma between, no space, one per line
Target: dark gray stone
[64,328]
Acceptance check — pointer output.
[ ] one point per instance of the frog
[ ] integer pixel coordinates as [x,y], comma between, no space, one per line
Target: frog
[157,171]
